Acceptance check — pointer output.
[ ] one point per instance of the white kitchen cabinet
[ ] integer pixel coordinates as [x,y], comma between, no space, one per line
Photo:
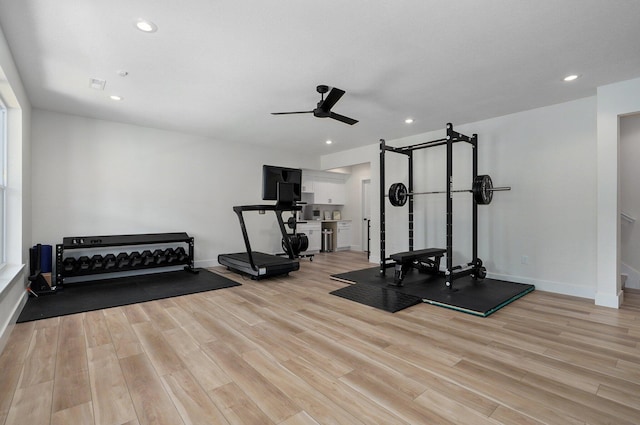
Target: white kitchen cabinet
[326,192]
[343,238]
[313,230]
[307,184]
[328,188]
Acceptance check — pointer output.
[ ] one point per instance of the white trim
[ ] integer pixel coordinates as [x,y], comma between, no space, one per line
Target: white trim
[12,296]
[3,182]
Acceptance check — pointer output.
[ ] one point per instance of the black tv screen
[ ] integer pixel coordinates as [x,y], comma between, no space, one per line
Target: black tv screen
[272,175]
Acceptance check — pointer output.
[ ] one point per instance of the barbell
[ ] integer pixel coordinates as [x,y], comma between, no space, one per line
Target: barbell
[482,191]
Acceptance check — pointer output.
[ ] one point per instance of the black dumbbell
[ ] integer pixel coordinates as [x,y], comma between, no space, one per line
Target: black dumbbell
[171,255]
[69,264]
[135,259]
[97,262]
[84,263]
[123,260]
[147,257]
[180,254]
[110,262]
[159,256]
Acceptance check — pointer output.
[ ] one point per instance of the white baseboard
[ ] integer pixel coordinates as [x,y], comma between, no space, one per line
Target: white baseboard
[548,285]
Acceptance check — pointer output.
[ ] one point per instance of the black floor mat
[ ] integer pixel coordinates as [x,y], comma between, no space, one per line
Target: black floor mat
[375,296]
[480,298]
[108,293]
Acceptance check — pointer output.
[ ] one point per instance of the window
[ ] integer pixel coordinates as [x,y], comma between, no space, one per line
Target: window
[3,180]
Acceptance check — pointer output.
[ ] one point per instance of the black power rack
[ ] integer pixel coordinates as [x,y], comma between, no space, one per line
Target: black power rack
[474,267]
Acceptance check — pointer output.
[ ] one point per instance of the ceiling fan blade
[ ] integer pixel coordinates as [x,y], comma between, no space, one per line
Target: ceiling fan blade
[334,95]
[342,118]
[288,113]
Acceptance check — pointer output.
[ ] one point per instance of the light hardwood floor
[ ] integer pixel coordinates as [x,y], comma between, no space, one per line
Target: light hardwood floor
[284,351]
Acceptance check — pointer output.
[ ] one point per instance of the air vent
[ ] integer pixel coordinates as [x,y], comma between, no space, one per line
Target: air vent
[97,83]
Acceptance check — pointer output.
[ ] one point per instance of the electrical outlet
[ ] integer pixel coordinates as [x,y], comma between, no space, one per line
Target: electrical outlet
[524,259]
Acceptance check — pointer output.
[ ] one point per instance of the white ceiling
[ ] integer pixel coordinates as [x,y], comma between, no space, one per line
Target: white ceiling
[219,67]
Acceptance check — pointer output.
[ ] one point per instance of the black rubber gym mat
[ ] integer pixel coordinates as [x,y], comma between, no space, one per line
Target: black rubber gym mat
[375,296]
[120,291]
[480,298]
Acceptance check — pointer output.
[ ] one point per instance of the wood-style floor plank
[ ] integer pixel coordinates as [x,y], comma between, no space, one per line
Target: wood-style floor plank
[71,382]
[31,405]
[40,360]
[162,354]
[112,403]
[78,414]
[123,336]
[273,402]
[11,361]
[237,407]
[191,400]
[283,351]
[152,403]
[303,394]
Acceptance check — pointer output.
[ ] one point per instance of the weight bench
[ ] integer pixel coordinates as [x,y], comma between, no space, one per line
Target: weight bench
[427,260]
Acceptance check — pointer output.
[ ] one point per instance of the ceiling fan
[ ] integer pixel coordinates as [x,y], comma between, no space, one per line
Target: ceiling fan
[324,106]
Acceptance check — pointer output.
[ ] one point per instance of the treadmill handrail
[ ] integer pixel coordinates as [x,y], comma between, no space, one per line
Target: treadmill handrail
[278,210]
[245,235]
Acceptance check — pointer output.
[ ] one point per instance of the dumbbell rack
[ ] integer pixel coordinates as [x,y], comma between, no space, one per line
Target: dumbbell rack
[90,242]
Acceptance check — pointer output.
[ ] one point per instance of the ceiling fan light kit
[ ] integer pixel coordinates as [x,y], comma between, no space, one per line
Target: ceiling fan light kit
[323,109]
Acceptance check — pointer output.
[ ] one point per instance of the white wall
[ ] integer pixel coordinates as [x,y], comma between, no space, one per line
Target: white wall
[366,154]
[630,196]
[18,232]
[614,101]
[94,177]
[548,156]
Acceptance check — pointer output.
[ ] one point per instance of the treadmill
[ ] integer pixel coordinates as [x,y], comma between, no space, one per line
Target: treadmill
[259,265]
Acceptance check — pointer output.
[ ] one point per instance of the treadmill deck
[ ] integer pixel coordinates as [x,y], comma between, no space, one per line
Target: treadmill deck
[267,265]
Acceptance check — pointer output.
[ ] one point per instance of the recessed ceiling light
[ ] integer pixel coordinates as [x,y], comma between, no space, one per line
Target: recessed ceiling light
[146,26]
[328,142]
[408,121]
[115,97]
[571,77]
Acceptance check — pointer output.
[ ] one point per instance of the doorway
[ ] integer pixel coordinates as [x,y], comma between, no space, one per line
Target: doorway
[629,145]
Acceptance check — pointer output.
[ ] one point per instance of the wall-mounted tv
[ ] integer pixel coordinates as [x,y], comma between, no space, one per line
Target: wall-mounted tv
[272,175]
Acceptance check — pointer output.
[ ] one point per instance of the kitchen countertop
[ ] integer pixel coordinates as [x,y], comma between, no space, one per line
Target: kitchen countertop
[321,221]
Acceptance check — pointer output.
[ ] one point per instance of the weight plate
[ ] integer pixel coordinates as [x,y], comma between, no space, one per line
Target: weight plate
[398,194]
[294,241]
[482,273]
[482,192]
[304,242]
